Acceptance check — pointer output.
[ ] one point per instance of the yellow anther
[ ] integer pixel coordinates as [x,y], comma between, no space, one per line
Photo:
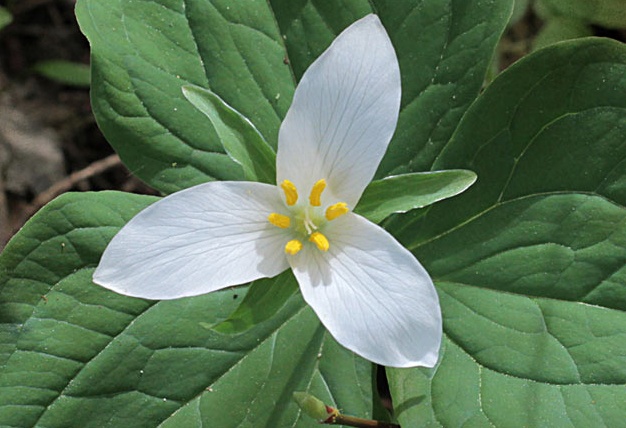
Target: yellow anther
[279,220]
[316,193]
[292,247]
[336,210]
[291,193]
[320,241]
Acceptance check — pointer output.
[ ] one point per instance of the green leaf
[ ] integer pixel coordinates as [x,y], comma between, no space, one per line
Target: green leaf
[308,28]
[265,297]
[558,29]
[520,7]
[64,237]
[144,52]
[248,54]
[241,140]
[402,193]
[444,48]
[565,355]
[566,246]
[66,72]
[5,17]
[529,262]
[552,122]
[606,13]
[74,354]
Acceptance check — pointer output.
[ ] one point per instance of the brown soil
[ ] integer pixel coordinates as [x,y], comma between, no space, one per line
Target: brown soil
[46,110]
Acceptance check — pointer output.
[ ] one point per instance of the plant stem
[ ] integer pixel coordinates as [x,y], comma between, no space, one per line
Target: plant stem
[351,421]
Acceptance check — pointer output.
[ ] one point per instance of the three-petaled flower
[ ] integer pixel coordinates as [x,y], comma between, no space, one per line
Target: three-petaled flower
[371,293]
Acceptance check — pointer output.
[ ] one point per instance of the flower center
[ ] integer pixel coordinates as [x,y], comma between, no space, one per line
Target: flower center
[306,219]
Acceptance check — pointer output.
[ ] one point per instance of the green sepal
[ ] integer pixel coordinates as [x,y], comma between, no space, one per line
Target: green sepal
[405,192]
[240,138]
[265,298]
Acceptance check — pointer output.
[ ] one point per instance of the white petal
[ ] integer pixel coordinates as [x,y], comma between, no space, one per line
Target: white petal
[372,295]
[195,241]
[344,113]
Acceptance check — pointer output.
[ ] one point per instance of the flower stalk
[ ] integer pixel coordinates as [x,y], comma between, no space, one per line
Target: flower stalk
[316,409]
[352,421]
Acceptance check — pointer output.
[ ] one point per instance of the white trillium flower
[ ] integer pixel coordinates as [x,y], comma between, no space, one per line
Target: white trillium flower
[371,293]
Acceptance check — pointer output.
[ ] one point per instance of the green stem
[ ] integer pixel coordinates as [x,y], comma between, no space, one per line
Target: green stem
[315,408]
[351,421]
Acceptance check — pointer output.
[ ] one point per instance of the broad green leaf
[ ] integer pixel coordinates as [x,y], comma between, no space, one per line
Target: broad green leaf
[309,27]
[445,49]
[67,72]
[536,244]
[606,13]
[405,192]
[530,261]
[552,122]
[77,355]
[581,347]
[67,235]
[143,52]
[566,246]
[241,140]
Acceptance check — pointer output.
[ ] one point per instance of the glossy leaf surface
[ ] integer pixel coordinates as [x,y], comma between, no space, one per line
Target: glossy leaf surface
[77,355]
[530,261]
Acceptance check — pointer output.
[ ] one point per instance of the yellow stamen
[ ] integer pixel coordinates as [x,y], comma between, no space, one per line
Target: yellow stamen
[336,210]
[292,247]
[316,193]
[279,220]
[291,193]
[320,241]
